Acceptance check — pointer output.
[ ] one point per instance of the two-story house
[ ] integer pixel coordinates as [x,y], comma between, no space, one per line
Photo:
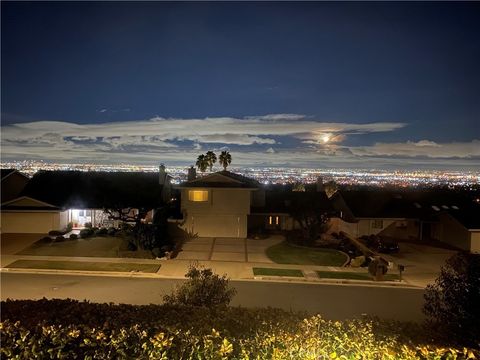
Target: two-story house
[218,205]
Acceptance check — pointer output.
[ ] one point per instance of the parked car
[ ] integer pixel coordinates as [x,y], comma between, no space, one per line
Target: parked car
[379,244]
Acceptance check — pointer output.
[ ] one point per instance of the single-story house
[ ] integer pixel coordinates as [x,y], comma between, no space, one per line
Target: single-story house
[279,206]
[435,214]
[52,199]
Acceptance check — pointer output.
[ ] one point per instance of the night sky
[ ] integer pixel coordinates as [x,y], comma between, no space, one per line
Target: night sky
[314,84]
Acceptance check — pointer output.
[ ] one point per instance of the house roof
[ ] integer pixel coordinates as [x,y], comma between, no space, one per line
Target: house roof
[288,201]
[222,179]
[417,204]
[376,204]
[76,189]
[5,172]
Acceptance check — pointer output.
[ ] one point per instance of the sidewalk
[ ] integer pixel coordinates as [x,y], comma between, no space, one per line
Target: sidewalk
[177,268]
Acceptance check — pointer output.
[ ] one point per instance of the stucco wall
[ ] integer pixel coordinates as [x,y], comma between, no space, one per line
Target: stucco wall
[475,241]
[223,215]
[30,222]
[453,233]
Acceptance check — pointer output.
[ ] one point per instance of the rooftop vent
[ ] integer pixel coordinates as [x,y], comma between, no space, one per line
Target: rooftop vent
[455,207]
[445,207]
[436,208]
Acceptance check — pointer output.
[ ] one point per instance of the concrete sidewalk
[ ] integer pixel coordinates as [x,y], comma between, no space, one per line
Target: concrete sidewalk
[177,268]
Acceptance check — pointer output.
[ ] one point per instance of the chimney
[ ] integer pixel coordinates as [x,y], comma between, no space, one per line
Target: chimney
[162,174]
[320,186]
[192,174]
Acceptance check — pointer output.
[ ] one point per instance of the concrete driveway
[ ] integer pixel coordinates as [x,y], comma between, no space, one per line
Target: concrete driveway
[422,263]
[228,249]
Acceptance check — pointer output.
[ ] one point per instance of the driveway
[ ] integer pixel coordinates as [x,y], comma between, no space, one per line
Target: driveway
[13,243]
[228,249]
[422,263]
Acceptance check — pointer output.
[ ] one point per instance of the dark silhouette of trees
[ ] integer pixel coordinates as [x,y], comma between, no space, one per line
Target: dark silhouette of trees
[202,163]
[452,303]
[225,159]
[211,159]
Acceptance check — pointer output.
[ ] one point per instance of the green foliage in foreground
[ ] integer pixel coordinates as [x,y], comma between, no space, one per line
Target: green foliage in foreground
[69,329]
[203,288]
[452,303]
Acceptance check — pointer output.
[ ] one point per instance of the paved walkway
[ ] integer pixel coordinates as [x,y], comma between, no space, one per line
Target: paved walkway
[228,249]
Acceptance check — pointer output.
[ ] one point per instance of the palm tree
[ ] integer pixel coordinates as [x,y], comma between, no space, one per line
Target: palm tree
[225,159]
[211,159]
[202,163]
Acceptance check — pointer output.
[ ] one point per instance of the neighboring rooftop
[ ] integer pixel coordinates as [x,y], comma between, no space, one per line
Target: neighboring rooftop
[222,179]
[77,189]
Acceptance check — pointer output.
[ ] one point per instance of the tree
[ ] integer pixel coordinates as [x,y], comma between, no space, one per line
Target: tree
[202,163]
[310,213]
[225,159]
[452,302]
[211,159]
[203,288]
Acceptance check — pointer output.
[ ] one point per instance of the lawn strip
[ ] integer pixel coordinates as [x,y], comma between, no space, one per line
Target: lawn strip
[277,272]
[83,265]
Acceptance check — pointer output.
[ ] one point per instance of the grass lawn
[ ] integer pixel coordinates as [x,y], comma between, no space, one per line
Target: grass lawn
[81,265]
[277,272]
[96,246]
[352,275]
[284,253]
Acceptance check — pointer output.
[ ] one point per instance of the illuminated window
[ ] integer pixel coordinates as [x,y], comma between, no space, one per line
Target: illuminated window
[198,195]
[276,220]
[270,220]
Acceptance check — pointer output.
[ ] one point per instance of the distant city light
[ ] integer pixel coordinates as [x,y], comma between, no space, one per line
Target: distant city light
[278,175]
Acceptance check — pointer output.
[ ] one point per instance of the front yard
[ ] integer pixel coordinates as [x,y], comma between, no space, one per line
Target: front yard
[97,246]
[285,253]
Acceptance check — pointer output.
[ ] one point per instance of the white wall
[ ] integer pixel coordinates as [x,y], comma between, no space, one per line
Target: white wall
[475,241]
[30,222]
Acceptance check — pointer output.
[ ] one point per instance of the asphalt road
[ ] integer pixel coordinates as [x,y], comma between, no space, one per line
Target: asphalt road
[331,301]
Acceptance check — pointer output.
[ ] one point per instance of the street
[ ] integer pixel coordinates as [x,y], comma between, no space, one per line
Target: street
[331,301]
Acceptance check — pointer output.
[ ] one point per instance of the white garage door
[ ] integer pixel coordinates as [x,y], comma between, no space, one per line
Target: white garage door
[30,222]
[220,226]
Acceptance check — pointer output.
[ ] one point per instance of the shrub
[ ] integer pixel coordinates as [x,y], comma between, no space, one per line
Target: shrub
[59,238]
[131,246]
[69,227]
[56,232]
[452,302]
[69,329]
[204,288]
[111,231]
[84,233]
[73,237]
[101,232]
[45,240]
[88,225]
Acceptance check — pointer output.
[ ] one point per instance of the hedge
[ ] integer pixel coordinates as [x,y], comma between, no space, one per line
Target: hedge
[67,329]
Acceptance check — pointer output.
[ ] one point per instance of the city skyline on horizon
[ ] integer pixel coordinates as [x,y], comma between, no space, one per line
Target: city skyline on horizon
[313,85]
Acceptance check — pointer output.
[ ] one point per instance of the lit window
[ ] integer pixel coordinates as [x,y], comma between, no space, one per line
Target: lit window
[276,220]
[270,220]
[198,195]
